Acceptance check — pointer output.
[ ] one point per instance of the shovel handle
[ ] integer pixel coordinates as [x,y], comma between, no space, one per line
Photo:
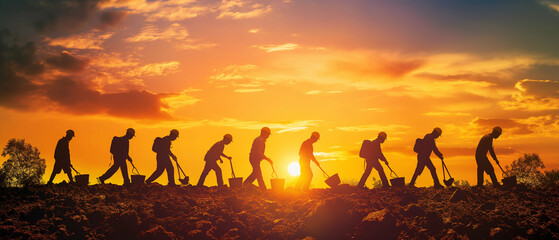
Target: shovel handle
[444,166]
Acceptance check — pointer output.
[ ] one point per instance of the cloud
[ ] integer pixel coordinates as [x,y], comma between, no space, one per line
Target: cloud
[249,90]
[484,125]
[240,9]
[534,95]
[91,40]
[77,98]
[336,156]
[279,126]
[315,92]
[254,30]
[460,151]
[193,45]
[393,128]
[67,62]
[446,114]
[279,47]
[234,72]
[156,69]
[111,19]
[151,33]
[175,101]
[18,66]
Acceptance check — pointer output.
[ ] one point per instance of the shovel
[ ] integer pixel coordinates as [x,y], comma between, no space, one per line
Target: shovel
[184,181]
[234,182]
[509,181]
[398,181]
[81,179]
[137,178]
[332,181]
[448,182]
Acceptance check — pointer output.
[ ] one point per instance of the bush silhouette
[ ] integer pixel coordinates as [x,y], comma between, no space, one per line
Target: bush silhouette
[23,167]
[526,168]
[549,178]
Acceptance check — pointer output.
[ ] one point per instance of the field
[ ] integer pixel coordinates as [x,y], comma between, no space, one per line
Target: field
[158,212]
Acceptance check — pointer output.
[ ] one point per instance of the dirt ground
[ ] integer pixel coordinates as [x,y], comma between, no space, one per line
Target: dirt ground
[184,212]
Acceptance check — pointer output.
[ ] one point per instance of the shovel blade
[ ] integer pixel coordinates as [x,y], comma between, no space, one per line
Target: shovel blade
[448,182]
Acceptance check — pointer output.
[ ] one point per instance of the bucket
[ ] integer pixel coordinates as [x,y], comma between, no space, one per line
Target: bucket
[236,182]
[333,180]
[82,180]
[138,179]
[398,182]
[509,181]
[277,184]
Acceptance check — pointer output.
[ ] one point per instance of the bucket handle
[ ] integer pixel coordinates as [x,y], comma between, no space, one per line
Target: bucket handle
[504,173]
[391,171]
[75,169]
[134,168]
[232,171]
[444,167]
[324,172]
[274,173]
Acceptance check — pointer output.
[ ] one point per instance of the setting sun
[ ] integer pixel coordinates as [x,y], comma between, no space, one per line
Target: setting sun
[294,169]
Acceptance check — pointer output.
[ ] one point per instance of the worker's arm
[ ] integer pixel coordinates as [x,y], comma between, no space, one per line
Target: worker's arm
[173,155]
[436,151]
[492,151]
[315,161]
[381,156]
[129,158]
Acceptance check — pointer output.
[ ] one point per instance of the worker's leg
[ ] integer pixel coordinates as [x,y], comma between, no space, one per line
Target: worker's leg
[365,175]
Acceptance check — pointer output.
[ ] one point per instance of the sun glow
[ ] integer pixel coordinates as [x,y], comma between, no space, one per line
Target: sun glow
[294,169]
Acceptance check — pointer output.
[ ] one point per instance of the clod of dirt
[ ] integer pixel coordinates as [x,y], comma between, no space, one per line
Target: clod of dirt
[157,232]
[329,219]
[433,222]
[379,225]
[459,195]
[414,210]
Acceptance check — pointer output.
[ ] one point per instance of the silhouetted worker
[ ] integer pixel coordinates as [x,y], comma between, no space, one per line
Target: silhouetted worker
[306,154]
[119,149]
[215,153]
[162,146]
[483,165]
[256,156]
[62,157]
[428,145]
[373,161]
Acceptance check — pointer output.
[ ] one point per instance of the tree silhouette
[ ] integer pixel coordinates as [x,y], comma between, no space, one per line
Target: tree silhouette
[526,168]
[23,167]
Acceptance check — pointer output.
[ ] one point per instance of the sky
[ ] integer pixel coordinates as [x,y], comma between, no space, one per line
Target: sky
[347,69]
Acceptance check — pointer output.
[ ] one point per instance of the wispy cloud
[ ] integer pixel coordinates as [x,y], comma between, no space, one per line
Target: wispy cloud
[278,47]
[394,128]
[239,9]
[249,90]
[152,33]
[446,114]
[279,126]
[315,92]
[534,95]
[91,40]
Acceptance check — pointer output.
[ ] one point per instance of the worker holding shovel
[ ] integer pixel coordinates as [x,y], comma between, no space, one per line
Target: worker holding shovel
[215,153]
[62,157]
[119,150]
[424,147]
[256,156]
[306,154]
[483,165]
[162,146]
[372,154]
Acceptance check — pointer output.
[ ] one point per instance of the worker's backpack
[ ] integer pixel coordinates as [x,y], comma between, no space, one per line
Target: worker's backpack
[366,150]
[418,146]
[118,146]
[157,145]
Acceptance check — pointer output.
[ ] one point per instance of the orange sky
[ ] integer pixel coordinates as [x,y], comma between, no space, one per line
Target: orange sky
[347,69]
